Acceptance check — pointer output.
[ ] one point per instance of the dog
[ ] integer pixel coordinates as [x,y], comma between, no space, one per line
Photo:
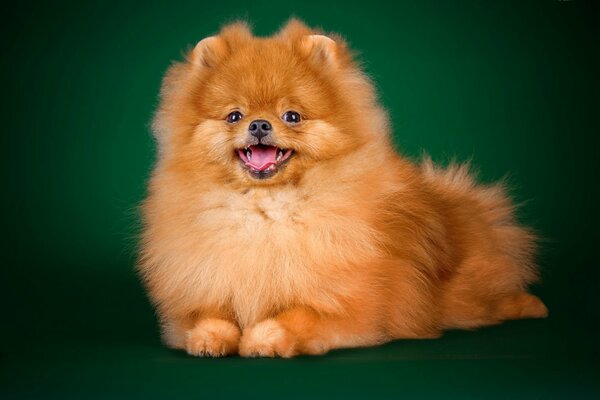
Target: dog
[281,221]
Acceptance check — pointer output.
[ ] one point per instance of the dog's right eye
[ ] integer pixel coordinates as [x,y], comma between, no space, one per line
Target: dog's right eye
[291,117]
[234,117]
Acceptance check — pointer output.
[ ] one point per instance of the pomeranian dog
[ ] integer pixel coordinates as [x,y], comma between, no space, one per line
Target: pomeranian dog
[280,220]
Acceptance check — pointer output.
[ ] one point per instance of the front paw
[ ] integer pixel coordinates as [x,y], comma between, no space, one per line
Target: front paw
[267,339]
[212,338]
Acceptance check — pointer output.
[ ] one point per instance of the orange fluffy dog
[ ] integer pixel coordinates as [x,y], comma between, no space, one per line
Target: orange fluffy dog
[280,220]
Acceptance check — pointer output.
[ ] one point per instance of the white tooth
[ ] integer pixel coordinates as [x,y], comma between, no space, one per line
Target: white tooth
[279,154]
[248,154]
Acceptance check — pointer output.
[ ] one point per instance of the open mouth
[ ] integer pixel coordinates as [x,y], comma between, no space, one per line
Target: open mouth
[263,161]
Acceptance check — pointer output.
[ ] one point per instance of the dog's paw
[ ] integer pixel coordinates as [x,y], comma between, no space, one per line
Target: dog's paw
[212,338]
[267,339]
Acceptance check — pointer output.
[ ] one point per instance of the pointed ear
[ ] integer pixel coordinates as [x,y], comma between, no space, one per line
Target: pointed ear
[236,32]
[320,48]
[294,29]
[209,52]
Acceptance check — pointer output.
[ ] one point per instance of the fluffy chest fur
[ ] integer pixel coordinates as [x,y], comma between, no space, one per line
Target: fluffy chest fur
[260,250]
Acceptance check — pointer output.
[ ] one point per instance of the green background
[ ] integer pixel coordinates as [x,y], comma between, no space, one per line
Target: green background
[511,85]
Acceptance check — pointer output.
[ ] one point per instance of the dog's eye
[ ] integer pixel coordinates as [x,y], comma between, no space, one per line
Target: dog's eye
[291,117]
[234,117]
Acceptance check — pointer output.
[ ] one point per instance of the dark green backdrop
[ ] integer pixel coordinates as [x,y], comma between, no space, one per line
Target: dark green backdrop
[511,85]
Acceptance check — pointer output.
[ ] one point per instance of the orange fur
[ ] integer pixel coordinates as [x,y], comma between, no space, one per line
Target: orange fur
[349,245]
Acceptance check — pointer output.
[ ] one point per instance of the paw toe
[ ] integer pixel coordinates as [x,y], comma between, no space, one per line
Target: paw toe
[267,339]
[212,338]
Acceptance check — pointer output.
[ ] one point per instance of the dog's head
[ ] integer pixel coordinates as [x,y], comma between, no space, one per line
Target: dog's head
[263,111]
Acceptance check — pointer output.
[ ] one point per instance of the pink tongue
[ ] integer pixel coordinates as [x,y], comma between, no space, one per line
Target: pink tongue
[262,157]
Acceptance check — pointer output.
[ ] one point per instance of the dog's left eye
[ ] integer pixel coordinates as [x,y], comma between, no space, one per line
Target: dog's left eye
[234,117]
[291,117]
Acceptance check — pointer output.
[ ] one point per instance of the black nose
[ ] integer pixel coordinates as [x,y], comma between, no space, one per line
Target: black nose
[259,128]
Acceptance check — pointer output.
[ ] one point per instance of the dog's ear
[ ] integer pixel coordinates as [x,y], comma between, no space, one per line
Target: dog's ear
[294,29]
[313,44]
[321,49]
[209,52]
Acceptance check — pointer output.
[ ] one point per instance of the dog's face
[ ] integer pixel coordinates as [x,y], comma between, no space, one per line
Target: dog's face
[263,111]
